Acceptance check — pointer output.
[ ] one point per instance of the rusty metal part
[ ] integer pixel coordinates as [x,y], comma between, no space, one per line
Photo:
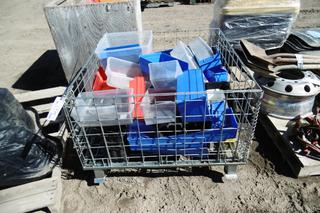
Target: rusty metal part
[306,132]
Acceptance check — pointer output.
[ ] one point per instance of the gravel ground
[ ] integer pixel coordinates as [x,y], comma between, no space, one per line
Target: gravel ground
[264,184]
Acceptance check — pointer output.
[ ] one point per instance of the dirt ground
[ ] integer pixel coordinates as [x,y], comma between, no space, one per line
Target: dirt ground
[264,184]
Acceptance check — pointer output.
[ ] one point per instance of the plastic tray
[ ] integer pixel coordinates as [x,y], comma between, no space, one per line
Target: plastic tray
[124,45]
[201,50]
[100,81]
[120,72]
[217,74]
[190,143]
[138,84]
[163,75]
[182,52]
[158,109]
[191,99]
[145,60]
[108,107]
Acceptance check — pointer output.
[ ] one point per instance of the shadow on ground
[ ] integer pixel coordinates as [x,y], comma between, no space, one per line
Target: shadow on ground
[45,72]
[268,150]
[72,164]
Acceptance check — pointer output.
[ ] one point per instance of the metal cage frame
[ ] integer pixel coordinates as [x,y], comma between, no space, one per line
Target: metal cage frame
[101,147]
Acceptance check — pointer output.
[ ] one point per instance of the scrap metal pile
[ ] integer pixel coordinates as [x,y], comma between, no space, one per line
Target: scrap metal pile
[305,136]
[289,78]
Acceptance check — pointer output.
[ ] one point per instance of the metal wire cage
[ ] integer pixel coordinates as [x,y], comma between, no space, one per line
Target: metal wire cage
[215,128]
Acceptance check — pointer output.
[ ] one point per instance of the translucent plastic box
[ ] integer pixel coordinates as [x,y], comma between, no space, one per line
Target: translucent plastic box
[124,45]
[120,72]
[158,109]
[201,51]
[147,59]
[163,75]
[108,107]
[182,52]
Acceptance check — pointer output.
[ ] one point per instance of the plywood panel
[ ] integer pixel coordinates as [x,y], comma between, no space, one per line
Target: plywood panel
[76,29]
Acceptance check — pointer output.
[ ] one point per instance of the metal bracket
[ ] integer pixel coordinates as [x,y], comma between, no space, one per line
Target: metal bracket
[230,172]
[99,177]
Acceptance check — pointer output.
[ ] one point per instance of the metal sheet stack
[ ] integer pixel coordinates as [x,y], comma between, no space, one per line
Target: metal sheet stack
[266,23]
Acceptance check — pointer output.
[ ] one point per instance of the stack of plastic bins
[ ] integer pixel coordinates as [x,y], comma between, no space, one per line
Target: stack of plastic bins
[183,53]
[138,84]
[144,137]
[163,75]
[209,63]
[108,107]
[147,59]
[124,45]
[191,97]
[158,108]
[120,72]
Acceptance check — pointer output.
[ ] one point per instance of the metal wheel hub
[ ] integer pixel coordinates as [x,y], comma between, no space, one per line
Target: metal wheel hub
[290,95]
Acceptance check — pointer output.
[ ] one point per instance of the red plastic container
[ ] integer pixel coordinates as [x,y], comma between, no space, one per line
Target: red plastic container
[100,81]
[138,85]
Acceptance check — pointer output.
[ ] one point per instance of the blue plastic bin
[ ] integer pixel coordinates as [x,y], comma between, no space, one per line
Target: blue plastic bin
[158,57]
[213,69]
[192,107]
[125,52]
[124,45]
[190,143]
[217,74]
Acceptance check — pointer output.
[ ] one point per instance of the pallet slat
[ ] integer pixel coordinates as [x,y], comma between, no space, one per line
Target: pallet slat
[35,195]
[39,94]
[301,166]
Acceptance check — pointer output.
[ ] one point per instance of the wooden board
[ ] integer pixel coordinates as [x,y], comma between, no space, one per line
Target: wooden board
[76,29]
[40,100]
[39,94]
[35,195]
[301,166]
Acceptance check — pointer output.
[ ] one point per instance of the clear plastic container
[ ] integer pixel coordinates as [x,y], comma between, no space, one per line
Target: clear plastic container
[109,107]
[147,59]
[120,72]
[163,75]
[182,52]
[158,109]
[124,45]
[201,50]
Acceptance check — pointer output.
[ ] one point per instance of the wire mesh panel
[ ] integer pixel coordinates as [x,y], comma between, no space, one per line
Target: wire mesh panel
[175,129]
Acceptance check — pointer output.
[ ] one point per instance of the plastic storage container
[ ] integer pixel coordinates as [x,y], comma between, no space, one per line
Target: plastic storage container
[158,109]
[217,104]
[145,60]
[124,45]
[163,75]
[191,99]
[182,52]
[209,62]
[143,137]
[201,50]
[216,74]
[100,81]
[108,107]
[120,72]
[138,85]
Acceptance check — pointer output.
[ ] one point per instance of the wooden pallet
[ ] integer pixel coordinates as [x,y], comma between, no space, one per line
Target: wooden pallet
[300,165]
[44,193]
[41,100]
[33,196]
